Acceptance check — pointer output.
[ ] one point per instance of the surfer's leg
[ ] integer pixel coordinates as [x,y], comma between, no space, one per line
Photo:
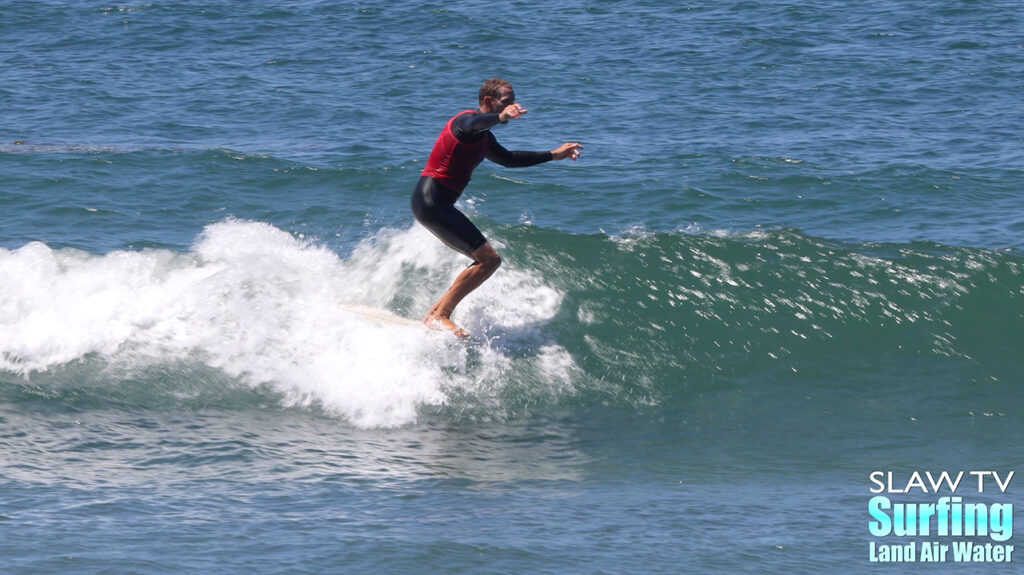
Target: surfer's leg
[485,261]
[434,208]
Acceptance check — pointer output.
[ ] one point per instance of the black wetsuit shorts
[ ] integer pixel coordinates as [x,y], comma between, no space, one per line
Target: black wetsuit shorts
[433,205]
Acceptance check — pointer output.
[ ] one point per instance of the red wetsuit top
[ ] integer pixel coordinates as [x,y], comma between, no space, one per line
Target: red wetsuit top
[452,161]
[463,143]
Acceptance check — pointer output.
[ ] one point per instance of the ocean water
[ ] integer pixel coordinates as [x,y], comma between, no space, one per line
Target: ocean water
[790,257]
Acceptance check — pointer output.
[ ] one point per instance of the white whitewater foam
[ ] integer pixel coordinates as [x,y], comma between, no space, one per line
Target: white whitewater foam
[266,308]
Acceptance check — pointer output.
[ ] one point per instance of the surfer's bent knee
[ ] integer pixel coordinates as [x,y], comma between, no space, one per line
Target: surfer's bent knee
[487,257]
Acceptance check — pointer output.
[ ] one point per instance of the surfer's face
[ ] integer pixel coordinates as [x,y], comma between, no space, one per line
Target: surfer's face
[504,99]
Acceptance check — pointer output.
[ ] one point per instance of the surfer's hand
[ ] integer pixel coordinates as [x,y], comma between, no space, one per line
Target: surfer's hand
[569,150]
[511,112]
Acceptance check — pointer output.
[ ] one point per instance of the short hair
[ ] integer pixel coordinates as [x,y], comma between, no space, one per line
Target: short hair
[493,88]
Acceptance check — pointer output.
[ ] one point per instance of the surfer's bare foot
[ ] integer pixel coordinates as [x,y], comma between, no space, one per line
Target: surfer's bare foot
[445,323]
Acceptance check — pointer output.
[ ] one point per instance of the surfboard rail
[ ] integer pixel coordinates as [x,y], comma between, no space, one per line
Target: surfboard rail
[380,316]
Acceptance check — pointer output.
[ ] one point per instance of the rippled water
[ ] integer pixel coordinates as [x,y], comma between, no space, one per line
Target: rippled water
[789,256]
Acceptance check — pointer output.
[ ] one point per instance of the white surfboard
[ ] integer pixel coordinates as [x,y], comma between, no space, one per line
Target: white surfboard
[380,316]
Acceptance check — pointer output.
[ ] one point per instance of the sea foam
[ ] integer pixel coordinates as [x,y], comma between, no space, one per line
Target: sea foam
[267,308]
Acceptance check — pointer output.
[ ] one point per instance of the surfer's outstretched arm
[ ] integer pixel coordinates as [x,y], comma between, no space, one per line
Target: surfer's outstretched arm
[520,159]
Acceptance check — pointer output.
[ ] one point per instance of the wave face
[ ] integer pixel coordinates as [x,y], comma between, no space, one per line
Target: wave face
[253,314]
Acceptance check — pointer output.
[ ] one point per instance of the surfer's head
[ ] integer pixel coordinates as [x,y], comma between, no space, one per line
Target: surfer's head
[496,95]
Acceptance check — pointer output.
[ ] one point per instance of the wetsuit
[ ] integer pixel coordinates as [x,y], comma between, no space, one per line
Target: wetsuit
[465,141]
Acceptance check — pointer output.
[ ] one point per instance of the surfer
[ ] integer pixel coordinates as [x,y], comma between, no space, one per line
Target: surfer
[464,142]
